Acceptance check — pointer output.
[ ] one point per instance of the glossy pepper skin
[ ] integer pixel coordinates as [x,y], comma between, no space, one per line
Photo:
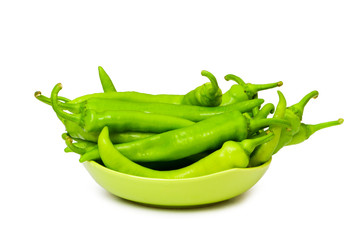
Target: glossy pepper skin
[81,147]
[208,94]
[264,152]
[119,121]
[242,91]
[294,115]
[231,155]
[77,132]
[205,135]
[105,80]
[189,112]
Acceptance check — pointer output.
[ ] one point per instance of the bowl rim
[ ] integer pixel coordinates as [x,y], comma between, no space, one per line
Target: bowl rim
[113,172]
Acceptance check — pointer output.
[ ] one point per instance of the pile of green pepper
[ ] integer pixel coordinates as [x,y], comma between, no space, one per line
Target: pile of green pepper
[180,136]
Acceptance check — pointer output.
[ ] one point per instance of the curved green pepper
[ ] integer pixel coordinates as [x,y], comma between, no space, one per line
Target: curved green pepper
[105,80]
[208,94]
[119,121]
[192,113]
[294,115]
[75,131]
[231,155]
[264,152]
[81,147]
[205,135]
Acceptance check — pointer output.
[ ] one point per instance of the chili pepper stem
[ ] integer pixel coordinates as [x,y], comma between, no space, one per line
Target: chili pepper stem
[312,128]
[211,78]
[54,102]
[265,111]
[306,130]
[252,89]
[71,146]
[249,145]
[235,78]
[37,94]
[299,107]
[42,98]
[47,100]
[255,125]
[314,94]
[259,87]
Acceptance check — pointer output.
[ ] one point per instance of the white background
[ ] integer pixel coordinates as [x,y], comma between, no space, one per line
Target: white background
[311,191]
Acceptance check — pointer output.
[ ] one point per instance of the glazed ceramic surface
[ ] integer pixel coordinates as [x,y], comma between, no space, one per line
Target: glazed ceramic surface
[177,192]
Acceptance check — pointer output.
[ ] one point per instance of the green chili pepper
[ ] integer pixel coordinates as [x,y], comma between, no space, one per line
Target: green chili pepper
[306,130]
[77,132]
[192,113]
[124,137]
[264,152]
[205,135]
[209,94]
[119,121]
[294,115]
[242,91]
[231,155]
[105,80]
[81,147]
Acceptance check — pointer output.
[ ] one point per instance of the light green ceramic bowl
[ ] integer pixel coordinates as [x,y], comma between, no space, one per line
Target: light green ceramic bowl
[177,192]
